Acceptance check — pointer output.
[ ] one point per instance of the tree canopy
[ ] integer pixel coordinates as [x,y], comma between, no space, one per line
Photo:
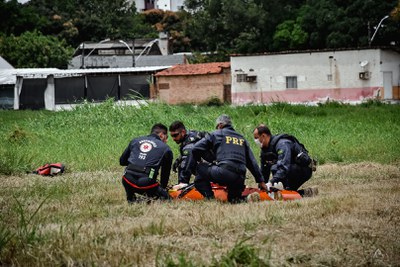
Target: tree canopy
[220,27]
[34,50]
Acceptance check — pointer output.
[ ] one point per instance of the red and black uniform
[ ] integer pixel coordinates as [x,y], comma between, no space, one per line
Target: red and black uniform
[145,157]
[233,155]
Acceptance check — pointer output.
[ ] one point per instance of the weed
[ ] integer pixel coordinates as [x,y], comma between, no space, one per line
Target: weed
[18,135]
[156,228]
[213,101]
[241,255]
[372,103]
[168,261]
[27,231]
[5,236]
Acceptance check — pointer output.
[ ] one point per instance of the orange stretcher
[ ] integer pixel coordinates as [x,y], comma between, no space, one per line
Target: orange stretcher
[189,192]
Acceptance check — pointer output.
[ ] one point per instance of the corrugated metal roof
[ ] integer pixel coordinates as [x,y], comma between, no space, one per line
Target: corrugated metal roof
[160,60]
[9,76]
[195,69]
[4,64]
[126,61]
[115,44]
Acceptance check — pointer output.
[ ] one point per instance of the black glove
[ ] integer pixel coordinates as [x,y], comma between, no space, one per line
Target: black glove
[176,165]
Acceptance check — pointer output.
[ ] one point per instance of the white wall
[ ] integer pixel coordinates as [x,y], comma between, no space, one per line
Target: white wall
[312,70]
[163,4]
[172,5]
[139,4]
[391,62]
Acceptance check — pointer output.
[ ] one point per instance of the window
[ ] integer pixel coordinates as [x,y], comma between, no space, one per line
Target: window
[164,86]
[291,82]
[329,77]
[241,77]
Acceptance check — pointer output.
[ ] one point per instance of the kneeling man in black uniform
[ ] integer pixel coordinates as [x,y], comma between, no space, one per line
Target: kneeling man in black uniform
[144,157]
[287,159]
[232,156]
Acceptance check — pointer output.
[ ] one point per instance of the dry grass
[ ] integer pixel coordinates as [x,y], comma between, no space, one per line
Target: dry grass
[85,220]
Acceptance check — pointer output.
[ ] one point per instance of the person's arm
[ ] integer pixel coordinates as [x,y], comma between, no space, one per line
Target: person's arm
[184,168]
[201,147]
[123,160]
[252,165]
[166,168]
[265,165]
[284,151]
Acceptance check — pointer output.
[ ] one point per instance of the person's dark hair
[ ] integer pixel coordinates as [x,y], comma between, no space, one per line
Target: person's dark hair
[176,125]
[159,128]
[263,129]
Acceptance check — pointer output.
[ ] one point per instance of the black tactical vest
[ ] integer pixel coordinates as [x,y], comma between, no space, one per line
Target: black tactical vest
[230,146]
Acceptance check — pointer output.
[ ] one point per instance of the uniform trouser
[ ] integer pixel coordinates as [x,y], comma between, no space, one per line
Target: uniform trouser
[143,186]
[296,176]
[211,173]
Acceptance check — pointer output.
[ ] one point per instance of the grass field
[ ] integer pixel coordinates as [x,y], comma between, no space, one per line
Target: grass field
[81,218]
[92,138]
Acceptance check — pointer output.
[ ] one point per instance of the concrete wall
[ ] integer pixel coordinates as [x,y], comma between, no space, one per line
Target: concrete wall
[320,76]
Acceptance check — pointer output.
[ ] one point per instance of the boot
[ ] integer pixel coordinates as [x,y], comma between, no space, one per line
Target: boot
[310,192]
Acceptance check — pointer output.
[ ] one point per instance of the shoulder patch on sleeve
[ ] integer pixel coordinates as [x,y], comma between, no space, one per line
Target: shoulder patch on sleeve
[185,152]
[280,151]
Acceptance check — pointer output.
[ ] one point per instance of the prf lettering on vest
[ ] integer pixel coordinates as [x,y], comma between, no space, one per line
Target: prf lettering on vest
[234,140]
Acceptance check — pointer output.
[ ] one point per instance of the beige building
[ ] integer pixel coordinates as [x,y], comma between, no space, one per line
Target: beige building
[193,83]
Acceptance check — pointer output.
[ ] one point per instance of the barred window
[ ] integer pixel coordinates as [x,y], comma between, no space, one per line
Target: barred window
[291,82]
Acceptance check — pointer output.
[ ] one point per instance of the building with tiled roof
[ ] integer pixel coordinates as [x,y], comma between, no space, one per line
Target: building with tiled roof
[195,69]
[193,83]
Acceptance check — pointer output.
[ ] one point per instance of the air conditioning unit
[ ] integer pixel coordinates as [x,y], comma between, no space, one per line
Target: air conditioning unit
[251,78]
[363,75]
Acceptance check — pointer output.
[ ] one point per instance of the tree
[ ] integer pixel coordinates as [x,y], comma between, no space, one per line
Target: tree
[289,35]
[91,20]
[34,50]
[238,26]
[335,23]
[17,18]
[396,12]
[170,22]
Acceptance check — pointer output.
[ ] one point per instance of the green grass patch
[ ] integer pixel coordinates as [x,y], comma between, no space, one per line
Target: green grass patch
[92,137]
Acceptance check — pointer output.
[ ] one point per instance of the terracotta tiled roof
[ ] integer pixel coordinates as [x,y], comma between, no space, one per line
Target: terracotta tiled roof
[195,69]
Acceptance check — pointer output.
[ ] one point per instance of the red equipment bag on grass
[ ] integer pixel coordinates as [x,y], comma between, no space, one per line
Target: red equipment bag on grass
[50,169]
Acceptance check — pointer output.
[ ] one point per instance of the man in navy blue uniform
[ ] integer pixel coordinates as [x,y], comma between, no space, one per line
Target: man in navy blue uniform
[286,158]
[144,157]
[186,139]
[232,156]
